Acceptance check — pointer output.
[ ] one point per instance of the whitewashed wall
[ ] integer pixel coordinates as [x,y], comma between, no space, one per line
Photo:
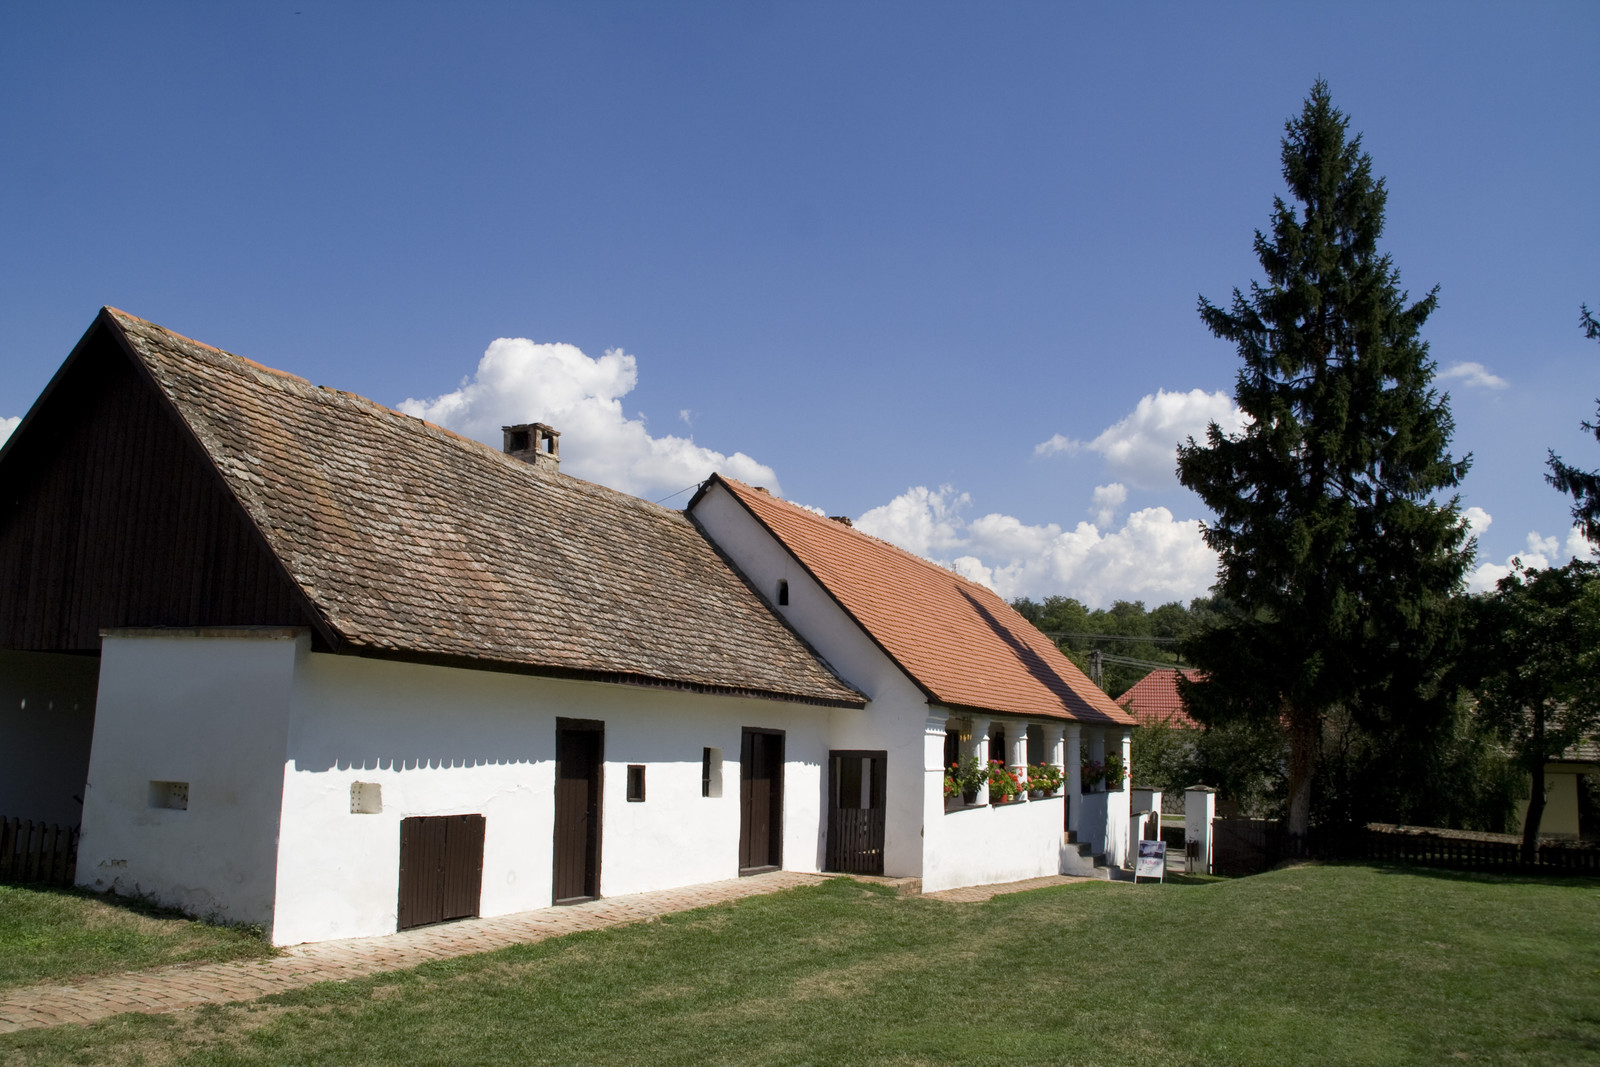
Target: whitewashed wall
[893,720]
[442,741]
[46,723]
[988,844]
[210,708]
[1104,826]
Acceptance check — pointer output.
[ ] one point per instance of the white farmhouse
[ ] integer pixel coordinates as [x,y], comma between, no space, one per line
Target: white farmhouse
[308,662]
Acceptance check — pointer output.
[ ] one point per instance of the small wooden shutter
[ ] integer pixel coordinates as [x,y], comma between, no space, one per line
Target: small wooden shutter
[441,869]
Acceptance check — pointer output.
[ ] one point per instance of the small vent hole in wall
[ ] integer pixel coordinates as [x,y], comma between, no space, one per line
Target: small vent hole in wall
[711,773]
[174,795]
[366,798]
[636,782]
[783,592]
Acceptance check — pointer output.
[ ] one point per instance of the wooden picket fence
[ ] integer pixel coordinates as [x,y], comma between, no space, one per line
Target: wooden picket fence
[37,852]
[1247,846]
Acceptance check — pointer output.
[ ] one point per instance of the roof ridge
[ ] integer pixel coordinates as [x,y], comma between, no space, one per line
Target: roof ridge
[120,314]
[923,561]
[376,407]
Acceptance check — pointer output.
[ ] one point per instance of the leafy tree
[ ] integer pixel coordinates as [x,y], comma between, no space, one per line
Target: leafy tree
[1335,557]
[1536,651]
[1583,486]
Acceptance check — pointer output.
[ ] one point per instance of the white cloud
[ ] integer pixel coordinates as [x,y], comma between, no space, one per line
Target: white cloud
[1107,501]
[920,520]
[7,425]
[1474,376]
[1143,447]
[1153,557]
[1578,546]
[520,381]
[1541,552]
[1477,520]
[687,416]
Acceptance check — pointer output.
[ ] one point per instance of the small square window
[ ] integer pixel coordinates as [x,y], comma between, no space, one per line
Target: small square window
[366,798]
[636,782]
[174,795]
[711,772]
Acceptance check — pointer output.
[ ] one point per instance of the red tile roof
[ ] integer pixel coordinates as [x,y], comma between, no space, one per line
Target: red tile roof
[964,646]
[1154,699]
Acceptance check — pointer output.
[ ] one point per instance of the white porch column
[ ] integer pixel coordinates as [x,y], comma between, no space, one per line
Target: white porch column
[933,780]
[1052,744]
[1017,741]
[1074,770]
[978,745]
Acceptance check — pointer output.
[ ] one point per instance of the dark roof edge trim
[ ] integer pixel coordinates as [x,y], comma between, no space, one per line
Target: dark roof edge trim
[319,622]
[901,667]
[576,674]
[1066,715]
[52,384]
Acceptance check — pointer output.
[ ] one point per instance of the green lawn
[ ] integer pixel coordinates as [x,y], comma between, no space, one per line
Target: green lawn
[1307,965]
[56,935]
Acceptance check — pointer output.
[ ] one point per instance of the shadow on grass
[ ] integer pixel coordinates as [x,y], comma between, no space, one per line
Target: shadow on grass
[135,904]
[1585,882]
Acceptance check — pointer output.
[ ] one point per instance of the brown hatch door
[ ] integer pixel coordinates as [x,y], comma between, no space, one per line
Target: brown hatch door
[760,801]
[441,869]
[580,755]
[856,786]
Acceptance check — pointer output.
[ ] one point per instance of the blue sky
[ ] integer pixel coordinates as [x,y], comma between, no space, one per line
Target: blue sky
[877,254]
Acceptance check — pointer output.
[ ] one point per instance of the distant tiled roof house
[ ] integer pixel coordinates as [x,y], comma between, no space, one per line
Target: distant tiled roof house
[308,662]
[1154,699]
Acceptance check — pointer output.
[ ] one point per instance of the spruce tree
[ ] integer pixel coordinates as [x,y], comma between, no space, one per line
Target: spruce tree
[1336,558]
[1583,486]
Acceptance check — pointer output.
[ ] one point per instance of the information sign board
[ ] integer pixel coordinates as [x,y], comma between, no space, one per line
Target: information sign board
[1152,861]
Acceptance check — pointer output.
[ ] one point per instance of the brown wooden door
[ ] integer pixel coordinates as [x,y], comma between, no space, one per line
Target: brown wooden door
[760,801]
[580,754]
[441,868]
[856,821]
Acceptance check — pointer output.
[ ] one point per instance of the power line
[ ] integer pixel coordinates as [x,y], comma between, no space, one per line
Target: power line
[1058,634]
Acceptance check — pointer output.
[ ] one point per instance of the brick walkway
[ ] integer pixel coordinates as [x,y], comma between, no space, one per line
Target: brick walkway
[166,989]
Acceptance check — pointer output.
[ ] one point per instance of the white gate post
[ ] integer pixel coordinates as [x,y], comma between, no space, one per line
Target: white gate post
[1199,809]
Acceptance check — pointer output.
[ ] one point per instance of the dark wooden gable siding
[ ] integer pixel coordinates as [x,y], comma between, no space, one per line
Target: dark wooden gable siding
[110,515]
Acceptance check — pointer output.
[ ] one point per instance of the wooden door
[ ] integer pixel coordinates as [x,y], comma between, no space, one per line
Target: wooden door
[441,869]
[856,820]
[760,801]
[580,755]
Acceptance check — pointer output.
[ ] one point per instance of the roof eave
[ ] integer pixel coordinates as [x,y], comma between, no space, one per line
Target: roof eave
[579,674]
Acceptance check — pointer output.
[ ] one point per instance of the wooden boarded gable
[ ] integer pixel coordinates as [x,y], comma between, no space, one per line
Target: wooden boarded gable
[112,515]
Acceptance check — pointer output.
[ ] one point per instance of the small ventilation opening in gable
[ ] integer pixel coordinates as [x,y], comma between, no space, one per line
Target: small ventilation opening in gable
[783,592]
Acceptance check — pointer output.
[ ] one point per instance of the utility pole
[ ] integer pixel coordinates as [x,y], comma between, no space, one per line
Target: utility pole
[1095,658]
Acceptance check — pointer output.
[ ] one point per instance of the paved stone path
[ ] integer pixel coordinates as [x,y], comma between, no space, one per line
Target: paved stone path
[166,989]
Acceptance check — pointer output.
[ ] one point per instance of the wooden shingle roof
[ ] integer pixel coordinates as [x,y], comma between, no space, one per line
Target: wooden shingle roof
[957,640]
[413,542]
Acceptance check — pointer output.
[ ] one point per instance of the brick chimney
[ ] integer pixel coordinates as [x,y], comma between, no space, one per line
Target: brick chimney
[534,442]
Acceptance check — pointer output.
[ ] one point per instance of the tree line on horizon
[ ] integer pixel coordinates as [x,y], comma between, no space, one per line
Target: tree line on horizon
[1346,676]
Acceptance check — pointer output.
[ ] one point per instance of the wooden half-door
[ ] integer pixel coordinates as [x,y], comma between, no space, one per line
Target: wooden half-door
[580,760]
[441,869]
[856,822]
[760,801]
